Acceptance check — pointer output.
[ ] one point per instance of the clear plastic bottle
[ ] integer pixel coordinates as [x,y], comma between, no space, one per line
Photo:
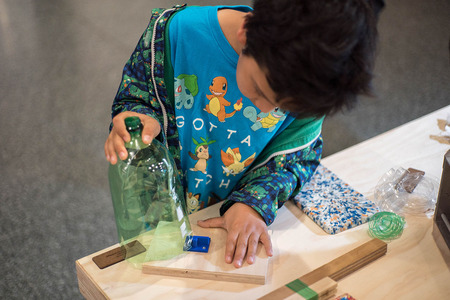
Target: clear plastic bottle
[147,198]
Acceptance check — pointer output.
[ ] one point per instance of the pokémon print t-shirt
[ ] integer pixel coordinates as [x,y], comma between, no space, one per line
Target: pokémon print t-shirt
[221,132]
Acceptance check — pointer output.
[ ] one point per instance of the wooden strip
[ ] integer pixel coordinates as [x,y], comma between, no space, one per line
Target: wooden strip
[200,274]
[339,267]
[360,253]
[356,266]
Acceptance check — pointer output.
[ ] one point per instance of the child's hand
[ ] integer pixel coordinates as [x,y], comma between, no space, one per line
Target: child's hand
[245,229]
[115,143]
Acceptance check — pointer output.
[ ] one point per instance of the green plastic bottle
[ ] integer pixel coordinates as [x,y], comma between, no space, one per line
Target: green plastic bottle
[148,200]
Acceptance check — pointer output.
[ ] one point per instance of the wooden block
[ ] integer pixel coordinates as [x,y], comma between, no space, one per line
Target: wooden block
[325,288]
[337,268]
[211,265]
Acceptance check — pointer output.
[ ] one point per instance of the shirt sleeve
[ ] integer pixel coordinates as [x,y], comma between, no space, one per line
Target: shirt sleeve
[136,92]
[280,179]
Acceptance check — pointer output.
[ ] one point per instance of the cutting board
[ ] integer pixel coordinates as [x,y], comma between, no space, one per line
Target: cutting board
[211,265]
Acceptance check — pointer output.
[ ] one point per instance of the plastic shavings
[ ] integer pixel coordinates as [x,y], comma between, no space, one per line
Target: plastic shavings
[421,201]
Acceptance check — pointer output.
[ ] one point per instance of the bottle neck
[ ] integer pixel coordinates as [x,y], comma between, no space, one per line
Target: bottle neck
[135,133]
[136,140]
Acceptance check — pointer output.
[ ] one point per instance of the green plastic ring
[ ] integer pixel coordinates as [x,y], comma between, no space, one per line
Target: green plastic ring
[386,225]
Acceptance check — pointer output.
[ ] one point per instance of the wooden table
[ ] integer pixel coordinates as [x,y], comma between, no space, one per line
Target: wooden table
[413,268]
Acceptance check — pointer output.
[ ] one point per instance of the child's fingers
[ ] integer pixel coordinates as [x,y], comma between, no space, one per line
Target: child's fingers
[119,127]
[219,222]
[231,250]
[253,242]
[114,144]
[266,241]
[151,129]
[211,223]
[119,147]
[245,245]
[109,152]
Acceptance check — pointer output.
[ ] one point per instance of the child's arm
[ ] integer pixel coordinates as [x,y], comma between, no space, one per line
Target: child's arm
[267,188]
[135,97]
[262,192]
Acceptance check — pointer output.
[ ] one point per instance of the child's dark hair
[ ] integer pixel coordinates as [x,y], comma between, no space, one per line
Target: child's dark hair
[318,54]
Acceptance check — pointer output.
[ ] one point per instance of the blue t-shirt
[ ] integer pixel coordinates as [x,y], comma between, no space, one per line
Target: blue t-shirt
[221,132]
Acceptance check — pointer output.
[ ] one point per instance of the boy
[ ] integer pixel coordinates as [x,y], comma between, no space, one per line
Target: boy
[239,95]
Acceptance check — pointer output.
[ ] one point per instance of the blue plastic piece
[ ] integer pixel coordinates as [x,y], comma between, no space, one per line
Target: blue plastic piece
[195,243]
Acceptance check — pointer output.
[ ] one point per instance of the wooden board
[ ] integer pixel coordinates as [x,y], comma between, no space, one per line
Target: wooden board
[211,265]
[337,268]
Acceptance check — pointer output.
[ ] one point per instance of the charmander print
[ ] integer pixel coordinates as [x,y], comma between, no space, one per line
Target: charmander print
[217,102]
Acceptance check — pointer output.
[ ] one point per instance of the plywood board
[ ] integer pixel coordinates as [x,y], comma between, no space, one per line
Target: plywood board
[212,265]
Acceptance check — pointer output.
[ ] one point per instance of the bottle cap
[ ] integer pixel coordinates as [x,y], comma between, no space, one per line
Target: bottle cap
[133,123]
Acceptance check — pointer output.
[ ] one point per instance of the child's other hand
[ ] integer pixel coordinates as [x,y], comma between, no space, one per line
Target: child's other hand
[115,143]
[245,229]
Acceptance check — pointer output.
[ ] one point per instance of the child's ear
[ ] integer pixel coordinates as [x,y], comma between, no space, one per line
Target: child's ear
[242,34]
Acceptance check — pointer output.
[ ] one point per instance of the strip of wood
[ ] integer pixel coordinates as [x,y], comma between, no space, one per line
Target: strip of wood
[356,266]
[201,274]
